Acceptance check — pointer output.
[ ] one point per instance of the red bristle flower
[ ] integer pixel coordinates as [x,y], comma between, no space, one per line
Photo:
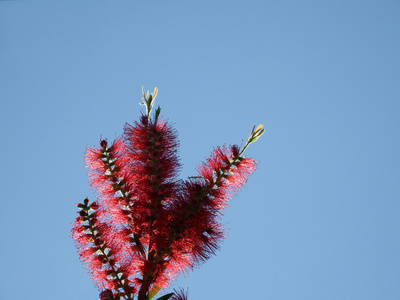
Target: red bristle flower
[147,226]
[152,149]
[107,177]
[224,171]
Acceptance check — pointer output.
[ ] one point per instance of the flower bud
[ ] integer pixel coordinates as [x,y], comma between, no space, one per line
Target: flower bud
[94,206]
[106,295]
[109,272]
[103,144]
[235,150]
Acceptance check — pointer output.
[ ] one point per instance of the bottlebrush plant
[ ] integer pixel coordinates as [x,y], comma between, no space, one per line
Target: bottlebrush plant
[147,226]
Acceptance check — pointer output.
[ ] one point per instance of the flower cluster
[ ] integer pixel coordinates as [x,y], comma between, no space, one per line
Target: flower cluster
[147,225]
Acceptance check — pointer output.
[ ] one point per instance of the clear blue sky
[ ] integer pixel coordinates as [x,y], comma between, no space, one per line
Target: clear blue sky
[320,219]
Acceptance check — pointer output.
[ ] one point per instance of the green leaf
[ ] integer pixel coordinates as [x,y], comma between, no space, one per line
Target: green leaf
[153,292]
[165,297]
[158,110]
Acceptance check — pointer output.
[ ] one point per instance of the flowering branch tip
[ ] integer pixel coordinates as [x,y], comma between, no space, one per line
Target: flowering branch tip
[253,136]
[148,100]
[147,226]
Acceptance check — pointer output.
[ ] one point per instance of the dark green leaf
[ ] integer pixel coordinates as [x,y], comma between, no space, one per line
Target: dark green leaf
[153,292]
[165,297]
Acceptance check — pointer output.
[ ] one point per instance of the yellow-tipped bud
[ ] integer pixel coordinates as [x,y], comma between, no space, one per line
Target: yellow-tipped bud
[155,92]
[144,94]
[258,128]
[253,136]
[148,100]
[258,132]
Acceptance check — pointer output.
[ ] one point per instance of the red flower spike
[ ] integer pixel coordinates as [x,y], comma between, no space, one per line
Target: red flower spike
[147,226]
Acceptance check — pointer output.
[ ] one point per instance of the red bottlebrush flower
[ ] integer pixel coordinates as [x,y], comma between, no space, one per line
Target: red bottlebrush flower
[147,226]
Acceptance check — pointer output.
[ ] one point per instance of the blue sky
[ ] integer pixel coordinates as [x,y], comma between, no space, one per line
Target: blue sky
[320,217]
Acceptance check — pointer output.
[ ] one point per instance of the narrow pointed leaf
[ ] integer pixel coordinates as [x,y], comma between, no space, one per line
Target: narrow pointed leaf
[153,292]
[165,297]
